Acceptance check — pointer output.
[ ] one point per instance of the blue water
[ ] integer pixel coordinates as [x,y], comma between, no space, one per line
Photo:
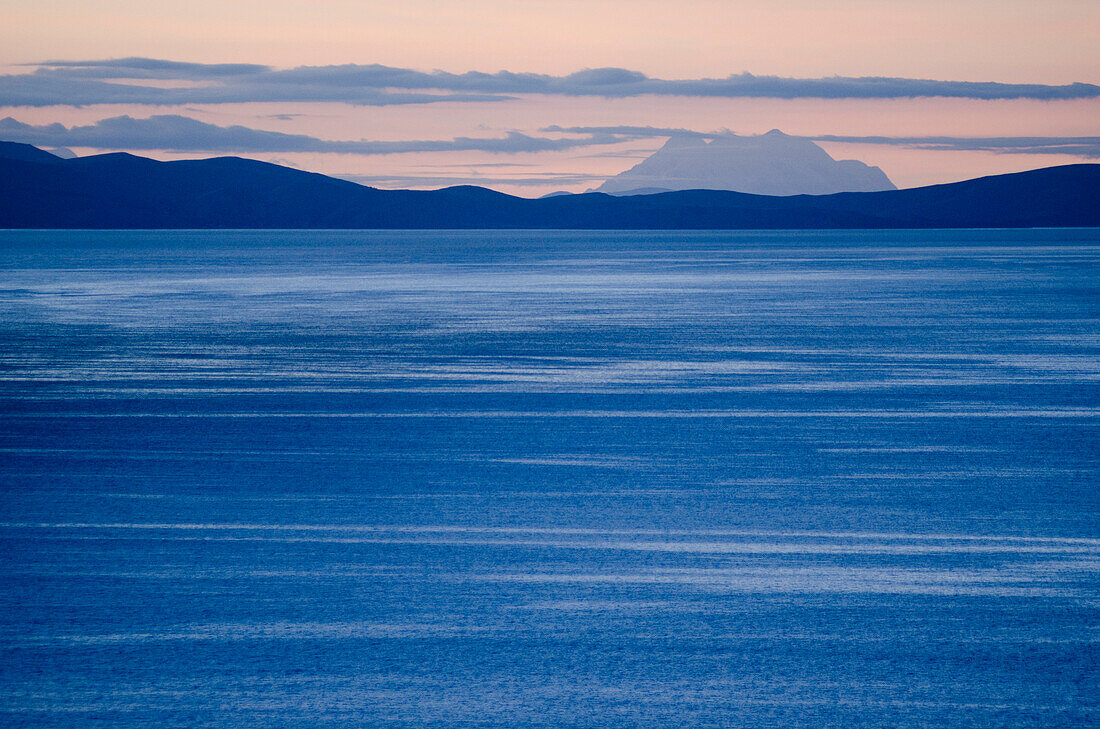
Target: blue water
[512,479]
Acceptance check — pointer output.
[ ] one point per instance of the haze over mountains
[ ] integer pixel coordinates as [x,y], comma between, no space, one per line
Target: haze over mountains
[767,164]
[41,190]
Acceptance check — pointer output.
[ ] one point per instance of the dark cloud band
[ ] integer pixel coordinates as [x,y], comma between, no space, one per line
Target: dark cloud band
[97,82]
[562,179]
[173,133]
[1075,146]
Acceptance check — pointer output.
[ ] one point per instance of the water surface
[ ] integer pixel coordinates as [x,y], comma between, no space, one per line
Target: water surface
[550,479]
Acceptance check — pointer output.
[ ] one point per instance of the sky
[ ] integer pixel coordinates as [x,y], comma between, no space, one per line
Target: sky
[538,96]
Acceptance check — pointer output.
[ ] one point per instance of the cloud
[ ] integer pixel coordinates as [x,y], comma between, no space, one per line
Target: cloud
[173,133]
[550,179]
[152,68]
[46,90]
[94,82]
[1076,146]
[636,132]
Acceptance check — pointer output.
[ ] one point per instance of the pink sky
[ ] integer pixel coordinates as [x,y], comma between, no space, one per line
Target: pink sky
[1012,41]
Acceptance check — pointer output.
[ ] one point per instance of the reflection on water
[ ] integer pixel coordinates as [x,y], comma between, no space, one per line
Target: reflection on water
[404,479]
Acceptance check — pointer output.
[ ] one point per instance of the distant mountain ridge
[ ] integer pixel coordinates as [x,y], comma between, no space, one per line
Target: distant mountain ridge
[40,190]
[767,164]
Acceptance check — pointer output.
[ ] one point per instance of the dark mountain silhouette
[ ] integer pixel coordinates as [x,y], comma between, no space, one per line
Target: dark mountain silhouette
[26,153]
[40,190]
[767,164]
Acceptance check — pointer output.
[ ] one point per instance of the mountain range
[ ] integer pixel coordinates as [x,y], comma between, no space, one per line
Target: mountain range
[767,164]
[119,190]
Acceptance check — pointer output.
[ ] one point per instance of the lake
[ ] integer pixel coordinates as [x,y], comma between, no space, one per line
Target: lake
[550,479]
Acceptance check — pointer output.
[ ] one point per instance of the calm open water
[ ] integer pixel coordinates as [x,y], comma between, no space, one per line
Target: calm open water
[567,479]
